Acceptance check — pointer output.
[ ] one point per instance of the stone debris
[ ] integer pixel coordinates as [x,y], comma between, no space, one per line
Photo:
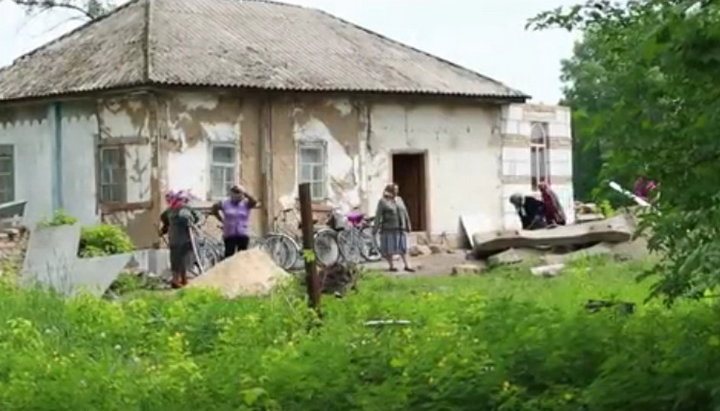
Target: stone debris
[248,273]
[467,269]
[419,250]
[547,270]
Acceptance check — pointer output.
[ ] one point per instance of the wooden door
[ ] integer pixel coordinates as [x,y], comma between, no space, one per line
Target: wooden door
[409,175]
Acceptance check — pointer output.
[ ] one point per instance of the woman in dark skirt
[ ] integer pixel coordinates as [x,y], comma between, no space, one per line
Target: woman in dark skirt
[393,223]
[177,221]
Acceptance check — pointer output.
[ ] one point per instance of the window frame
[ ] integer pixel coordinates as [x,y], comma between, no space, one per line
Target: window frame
[323,165]
[233,167]
[12,174]
[537,147]
[122,174]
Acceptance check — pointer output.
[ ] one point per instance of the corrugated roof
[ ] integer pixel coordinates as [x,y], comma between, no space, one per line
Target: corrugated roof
[235,43]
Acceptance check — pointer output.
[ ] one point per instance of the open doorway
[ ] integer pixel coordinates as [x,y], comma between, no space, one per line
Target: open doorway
[408,172]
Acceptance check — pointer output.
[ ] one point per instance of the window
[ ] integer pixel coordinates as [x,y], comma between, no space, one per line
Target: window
[539,169]
[222,170]
[311,163]
[112,174]
[7,174]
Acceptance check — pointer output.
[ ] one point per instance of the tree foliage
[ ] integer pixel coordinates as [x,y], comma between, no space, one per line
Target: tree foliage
[645,86]
[86,9]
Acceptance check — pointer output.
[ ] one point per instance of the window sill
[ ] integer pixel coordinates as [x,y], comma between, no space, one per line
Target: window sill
[117,207]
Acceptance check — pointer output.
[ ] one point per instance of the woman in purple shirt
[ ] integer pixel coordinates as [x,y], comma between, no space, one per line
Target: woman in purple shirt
[234,214]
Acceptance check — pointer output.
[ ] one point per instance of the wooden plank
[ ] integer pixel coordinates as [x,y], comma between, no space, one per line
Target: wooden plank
[614,230]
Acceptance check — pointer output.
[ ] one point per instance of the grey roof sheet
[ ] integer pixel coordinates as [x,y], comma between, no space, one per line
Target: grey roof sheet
[235,43]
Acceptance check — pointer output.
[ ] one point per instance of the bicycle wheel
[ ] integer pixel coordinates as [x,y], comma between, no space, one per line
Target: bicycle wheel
[327,251]
[370,250]
[282,249]
[350,245]
[208,256]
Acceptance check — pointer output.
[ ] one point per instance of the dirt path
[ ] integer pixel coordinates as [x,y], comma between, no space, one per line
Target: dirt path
[428,266]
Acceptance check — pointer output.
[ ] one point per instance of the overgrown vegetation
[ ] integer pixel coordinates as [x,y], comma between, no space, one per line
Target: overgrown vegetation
[504,342]
[104,239]
[644,86]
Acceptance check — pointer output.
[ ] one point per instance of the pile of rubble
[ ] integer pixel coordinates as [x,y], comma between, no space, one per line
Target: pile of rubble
[13,245]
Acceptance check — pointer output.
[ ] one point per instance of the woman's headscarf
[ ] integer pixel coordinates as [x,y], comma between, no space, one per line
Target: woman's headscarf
[180,199]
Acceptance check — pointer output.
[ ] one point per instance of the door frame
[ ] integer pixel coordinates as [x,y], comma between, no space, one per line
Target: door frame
[425,156]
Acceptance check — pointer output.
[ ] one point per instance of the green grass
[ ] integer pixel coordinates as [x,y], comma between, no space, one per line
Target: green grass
[501,341]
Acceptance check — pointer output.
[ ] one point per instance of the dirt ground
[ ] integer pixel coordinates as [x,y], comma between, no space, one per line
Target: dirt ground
[426,266]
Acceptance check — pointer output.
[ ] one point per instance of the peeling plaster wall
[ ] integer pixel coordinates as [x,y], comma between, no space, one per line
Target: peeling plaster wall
[463,158]
[127,120]
[332,122]
[29,130]
[195,121]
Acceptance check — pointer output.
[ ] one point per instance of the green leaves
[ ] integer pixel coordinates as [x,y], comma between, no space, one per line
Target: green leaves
[645,82]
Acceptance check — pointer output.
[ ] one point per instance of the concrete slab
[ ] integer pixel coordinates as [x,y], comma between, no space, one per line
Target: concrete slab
[95,275]
[51,252]
[51,261]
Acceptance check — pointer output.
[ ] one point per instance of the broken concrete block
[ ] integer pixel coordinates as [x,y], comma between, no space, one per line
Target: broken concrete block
[419,250]
[598,249]
[464,269]
[513,256]
[547,270]
[614,230]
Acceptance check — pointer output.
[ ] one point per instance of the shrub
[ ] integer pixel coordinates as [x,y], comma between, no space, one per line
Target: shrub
[61,217]
[506,341]
[104,239]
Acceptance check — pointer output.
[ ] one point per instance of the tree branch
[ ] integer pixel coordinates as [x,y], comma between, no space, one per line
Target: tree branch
[50,4]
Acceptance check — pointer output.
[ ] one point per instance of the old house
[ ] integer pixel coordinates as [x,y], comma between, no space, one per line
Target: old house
[198,94]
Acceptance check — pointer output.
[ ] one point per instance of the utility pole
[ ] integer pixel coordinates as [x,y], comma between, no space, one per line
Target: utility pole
[308,241]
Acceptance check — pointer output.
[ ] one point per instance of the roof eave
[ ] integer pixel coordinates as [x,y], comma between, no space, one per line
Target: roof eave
[516,97]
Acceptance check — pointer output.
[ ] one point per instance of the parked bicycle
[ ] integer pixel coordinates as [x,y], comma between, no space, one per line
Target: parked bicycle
[283,243]
[355,237]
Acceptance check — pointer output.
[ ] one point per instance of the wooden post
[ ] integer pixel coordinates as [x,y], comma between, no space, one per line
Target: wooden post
[308,241]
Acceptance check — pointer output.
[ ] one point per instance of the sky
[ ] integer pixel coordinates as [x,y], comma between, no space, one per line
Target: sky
[487,36]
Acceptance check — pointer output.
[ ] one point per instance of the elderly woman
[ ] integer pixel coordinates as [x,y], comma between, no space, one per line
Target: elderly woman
[177,221]
[554,213]
[530,210]
[234,214]
[393,223]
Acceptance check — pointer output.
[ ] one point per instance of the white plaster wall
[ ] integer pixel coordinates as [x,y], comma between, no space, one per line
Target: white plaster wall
[516,161]
[560,162]
[33,143]
[78,165]
[188,168]
[463,165]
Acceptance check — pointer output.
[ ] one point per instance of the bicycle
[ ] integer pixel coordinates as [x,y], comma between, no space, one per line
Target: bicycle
[355,236]
[283,243]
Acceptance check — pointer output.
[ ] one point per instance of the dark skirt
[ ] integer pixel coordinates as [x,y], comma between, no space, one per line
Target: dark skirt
[393,242]
[181,257]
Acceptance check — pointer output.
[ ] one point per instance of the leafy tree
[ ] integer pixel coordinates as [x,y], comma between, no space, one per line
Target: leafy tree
[645,84]
[86,9]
